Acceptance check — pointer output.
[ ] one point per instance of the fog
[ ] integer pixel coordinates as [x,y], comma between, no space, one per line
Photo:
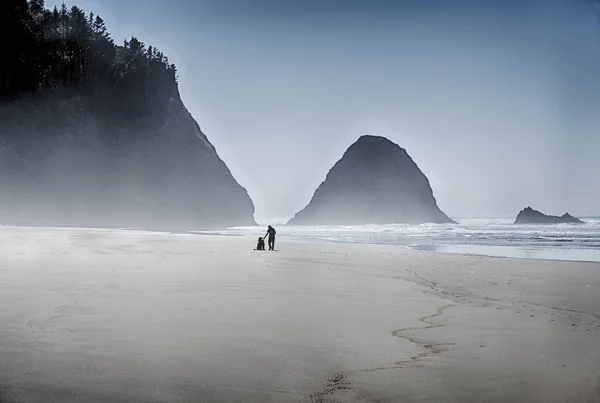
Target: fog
[496,101]
[60,168]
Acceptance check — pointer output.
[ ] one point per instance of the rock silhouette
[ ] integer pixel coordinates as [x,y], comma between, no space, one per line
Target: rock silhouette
[96,134]
[531,216]
[375,182]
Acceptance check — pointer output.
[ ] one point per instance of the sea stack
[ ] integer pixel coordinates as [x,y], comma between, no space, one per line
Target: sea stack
[531,216]
[375,182]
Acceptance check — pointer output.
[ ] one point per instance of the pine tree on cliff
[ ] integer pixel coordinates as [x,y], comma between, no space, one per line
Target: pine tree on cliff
[17,70]
[69,51]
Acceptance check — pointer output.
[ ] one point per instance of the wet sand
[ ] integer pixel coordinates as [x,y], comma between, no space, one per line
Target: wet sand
[116,316]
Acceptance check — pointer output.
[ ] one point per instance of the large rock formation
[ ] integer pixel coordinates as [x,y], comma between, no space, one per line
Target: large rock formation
[375,182]
[531,216]
[165,175]
[95,134]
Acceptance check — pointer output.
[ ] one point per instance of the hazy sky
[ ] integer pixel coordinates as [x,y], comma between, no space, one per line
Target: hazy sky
[497,101]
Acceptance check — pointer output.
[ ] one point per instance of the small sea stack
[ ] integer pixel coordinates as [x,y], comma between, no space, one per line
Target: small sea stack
[531,216]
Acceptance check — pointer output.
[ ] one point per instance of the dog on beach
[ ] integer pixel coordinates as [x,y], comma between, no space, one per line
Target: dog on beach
[261,243]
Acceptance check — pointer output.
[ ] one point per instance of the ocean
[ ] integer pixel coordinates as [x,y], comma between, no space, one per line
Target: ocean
[492,237]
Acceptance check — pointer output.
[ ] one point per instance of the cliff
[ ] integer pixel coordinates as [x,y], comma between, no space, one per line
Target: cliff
[375,182]
[95,134]
[531,216]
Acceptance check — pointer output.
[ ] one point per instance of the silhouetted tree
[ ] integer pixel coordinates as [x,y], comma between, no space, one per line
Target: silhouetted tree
[65,50]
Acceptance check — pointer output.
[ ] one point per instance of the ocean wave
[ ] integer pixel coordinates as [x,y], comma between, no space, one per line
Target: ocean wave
[480,232]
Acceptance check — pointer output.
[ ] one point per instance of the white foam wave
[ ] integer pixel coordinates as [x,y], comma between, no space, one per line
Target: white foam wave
[472,232]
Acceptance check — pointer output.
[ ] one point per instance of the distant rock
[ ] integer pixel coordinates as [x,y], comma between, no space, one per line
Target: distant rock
[375,182]
[531,216]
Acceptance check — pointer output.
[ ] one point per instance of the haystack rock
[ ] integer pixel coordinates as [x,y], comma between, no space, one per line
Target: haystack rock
[531,216]
[375,182]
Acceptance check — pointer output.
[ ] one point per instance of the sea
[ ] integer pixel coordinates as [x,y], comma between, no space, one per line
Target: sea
[498,237]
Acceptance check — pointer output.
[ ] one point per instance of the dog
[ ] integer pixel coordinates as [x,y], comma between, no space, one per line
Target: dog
[261,243]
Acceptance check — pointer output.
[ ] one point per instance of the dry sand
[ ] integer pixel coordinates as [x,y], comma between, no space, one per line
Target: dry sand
[115,316]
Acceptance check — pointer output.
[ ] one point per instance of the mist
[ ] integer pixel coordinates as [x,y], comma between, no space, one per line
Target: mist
[95,174]
[495,101]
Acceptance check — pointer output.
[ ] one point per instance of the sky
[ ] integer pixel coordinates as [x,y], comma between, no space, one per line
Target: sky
[495,100]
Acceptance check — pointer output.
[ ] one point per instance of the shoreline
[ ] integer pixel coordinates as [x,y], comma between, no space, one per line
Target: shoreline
[420,247]
[430,248]
[538,258]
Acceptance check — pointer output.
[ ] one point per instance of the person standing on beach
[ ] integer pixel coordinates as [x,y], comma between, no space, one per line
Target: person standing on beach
[271,240]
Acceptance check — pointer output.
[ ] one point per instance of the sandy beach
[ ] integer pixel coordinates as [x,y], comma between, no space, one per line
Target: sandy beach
[118,316]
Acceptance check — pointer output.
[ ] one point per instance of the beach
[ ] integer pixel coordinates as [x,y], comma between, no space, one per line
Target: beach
[133,316]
